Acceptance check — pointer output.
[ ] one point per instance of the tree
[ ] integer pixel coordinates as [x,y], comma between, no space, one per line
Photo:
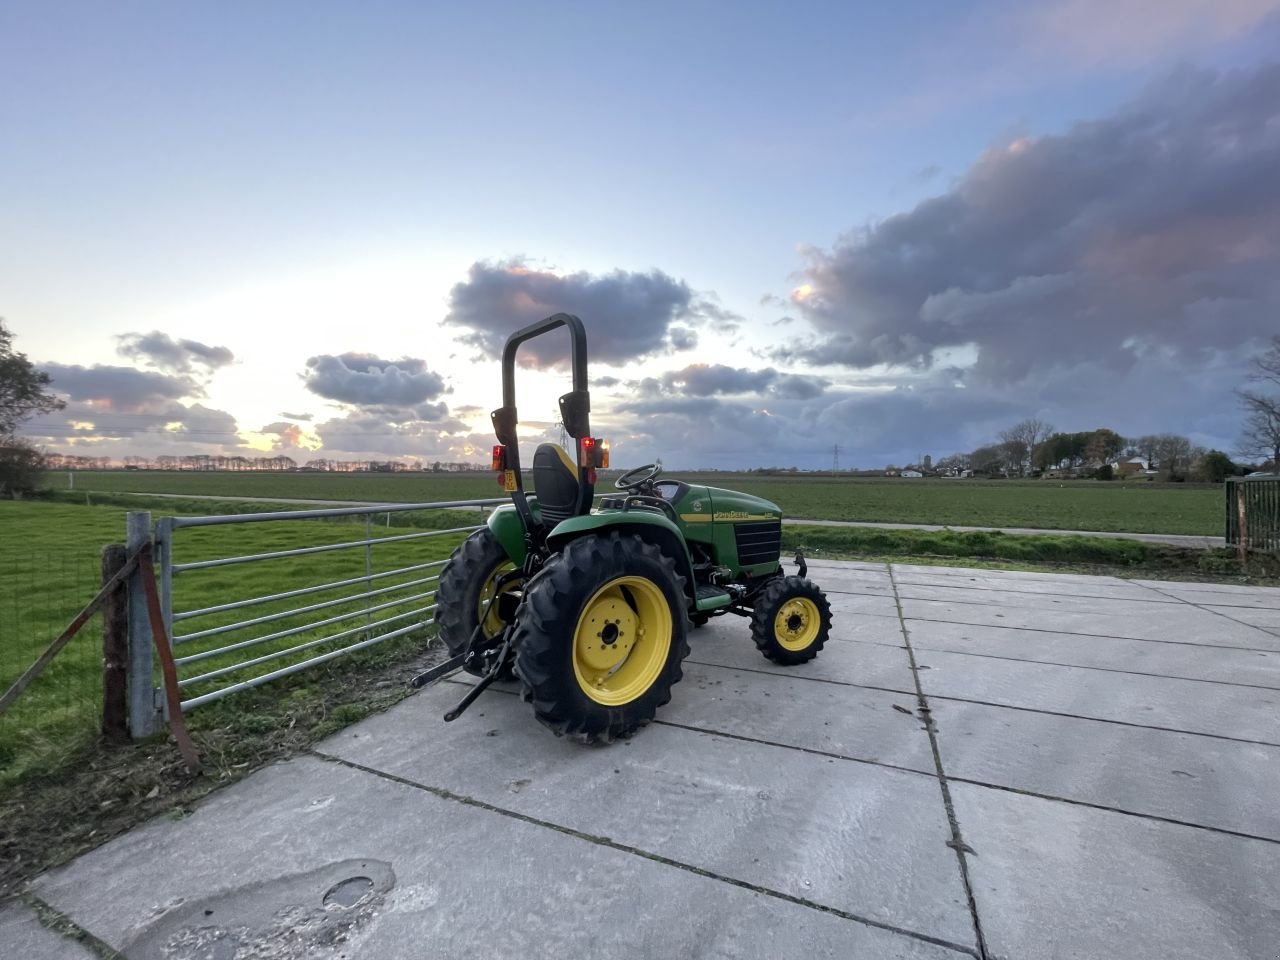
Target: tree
[22,388]
[1214,467]
[1261,436]
[22,396]
[1020,441]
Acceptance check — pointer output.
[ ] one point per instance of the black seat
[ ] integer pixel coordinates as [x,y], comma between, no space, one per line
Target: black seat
[555,481]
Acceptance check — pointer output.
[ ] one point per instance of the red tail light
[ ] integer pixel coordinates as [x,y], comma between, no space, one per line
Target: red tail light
[499,457]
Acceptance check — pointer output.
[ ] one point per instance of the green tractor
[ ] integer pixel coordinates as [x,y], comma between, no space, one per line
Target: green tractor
[590,607]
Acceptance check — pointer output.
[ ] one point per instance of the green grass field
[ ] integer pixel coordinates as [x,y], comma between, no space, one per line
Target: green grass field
[1050,505]
[49,568]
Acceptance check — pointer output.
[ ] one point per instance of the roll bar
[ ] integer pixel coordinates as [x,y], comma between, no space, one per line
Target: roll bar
[575,406]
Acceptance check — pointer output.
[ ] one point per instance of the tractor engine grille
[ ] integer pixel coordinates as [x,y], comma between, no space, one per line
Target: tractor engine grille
[759,541]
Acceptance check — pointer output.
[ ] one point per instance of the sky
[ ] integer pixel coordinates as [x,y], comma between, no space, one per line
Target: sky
[307,228]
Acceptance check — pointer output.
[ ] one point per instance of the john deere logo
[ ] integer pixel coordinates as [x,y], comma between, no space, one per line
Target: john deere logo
[697,505]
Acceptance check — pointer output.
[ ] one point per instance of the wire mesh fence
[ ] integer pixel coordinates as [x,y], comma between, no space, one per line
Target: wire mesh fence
[40,593]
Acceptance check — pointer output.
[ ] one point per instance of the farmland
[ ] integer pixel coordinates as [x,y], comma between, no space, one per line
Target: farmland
[1050,505]
[49,562]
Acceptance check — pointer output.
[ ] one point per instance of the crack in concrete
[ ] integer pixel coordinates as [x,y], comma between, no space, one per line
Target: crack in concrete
[445,794]
[957,843]
[1084,666]
[54,920]
[1217,613]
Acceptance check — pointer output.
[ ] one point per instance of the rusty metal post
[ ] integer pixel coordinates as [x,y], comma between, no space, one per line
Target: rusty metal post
[115,648]
[1242,529]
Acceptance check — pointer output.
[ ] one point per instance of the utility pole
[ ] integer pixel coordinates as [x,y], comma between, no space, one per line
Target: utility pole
[835,458]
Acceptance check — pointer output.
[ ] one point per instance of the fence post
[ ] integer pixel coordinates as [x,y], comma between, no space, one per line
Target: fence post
[115,648]
[144,718]
[1242,526]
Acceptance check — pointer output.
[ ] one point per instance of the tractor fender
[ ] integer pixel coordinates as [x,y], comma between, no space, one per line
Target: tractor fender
[505,524]
[651,527]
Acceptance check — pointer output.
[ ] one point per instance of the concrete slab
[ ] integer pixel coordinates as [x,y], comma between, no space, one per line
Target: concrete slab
[1222,664]
[1262,618]
[1154,622]
[862,605]
[1245,713]
[1106,587]
[22,935]
[1201,780]
[456,892]
[1227,593]
[852,836]
[854,615]
[841,661]
[1046,602]
[854,722]
[906,570]
[1052,880]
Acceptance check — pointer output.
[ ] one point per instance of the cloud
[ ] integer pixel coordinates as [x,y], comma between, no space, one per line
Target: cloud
[364,434]
[155,426]
[628,315]
[1152,232]
[705,380]
[118,388]
[304,417]
[361,379]
[289,436]
[1123,32]
[176,356]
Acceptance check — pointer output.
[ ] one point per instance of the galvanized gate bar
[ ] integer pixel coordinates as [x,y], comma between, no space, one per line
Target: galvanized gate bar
[388,613]
[303,591]
[305,551]
[222,518]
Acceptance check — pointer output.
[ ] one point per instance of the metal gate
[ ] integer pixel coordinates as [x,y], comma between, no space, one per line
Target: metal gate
[239,618]
[1253,512]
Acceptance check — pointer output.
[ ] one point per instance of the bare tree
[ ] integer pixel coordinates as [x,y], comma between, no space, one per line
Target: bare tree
[1261,436]
[1020,441]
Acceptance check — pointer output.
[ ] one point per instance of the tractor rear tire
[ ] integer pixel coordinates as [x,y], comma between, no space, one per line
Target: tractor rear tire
[465,585]
[791,620]
[601,635]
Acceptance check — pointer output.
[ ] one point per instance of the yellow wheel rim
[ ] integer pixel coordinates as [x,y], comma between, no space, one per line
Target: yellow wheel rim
[797,623]
[620,647]
[493,623]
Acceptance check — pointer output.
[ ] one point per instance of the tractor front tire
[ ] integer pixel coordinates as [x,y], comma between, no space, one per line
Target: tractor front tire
[465,586]
[791,620]
[601,635]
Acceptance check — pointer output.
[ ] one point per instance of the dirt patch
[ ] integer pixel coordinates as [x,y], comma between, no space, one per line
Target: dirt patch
[102,790]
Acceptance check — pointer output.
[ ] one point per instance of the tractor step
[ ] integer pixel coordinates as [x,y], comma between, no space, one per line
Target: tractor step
[711,597]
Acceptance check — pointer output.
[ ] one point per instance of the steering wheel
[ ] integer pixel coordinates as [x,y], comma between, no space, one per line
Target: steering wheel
[639,477]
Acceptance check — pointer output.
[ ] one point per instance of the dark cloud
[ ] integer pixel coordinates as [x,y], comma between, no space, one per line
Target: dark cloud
[177,356]
[288,436]
[705,380]
[362,433]
[304,417]
[628,315]
[118,388]
[361,379]
[154,426]
[605,382]
[1152,232]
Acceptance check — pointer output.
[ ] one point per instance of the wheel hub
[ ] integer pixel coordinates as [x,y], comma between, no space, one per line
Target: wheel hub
[622,640]
[797,623]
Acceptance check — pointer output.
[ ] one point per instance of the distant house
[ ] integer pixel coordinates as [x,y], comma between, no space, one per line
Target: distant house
[911,473]
[1131,466]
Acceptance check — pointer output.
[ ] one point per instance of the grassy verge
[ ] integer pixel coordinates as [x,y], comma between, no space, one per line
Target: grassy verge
[1133,558]
[98,791]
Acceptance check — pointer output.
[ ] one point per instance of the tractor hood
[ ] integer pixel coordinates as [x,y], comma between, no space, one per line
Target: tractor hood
[718,504]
